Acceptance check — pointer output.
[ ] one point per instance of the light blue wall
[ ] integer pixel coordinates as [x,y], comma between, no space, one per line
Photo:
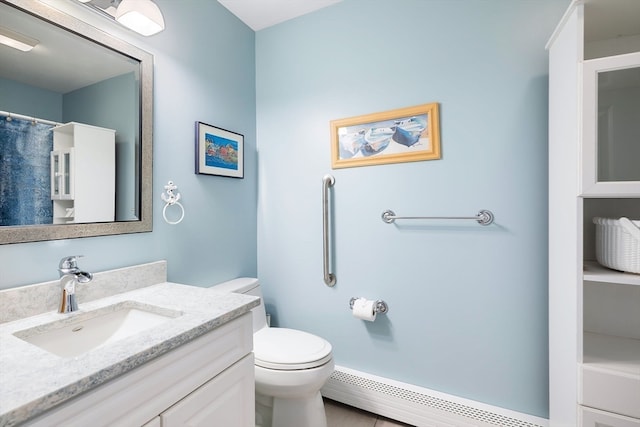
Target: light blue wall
[204,70]
[31,101]
[468,304]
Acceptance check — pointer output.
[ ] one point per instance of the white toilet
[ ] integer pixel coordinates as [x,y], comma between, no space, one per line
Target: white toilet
[290,365]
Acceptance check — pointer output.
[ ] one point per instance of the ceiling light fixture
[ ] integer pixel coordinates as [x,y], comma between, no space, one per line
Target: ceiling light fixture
[141,16]
[16,40]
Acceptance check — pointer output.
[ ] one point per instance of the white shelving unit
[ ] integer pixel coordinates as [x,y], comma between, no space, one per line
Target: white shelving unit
[83,174]
[610,374]
[610,368]
[594,312]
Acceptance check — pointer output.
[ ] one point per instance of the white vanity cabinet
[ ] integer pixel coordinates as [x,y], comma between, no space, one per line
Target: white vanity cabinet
[83,174]
[226,400]
[206,382]
[594,170]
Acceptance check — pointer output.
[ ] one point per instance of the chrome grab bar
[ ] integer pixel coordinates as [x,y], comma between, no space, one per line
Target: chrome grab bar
[329,278]
[484,217]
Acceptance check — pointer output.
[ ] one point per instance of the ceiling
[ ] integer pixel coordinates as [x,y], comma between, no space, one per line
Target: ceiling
[78,67]
[77,63]
[61,62]
[259,14]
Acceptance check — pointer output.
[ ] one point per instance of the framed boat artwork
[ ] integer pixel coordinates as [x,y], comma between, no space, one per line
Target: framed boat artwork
[404,135]
[219,151]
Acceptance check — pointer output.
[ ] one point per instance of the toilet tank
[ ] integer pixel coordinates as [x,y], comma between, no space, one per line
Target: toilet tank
[246,286]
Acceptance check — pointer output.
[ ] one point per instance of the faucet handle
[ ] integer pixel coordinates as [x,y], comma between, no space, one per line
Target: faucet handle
[69,262]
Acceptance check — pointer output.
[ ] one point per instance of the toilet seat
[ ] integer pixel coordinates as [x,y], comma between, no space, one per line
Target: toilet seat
[289,349]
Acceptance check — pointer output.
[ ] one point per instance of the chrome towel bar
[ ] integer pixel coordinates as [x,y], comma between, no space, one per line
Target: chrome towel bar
[484,217]
[329,278]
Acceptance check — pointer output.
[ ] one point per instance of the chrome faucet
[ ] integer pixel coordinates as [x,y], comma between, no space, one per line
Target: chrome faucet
[70,274]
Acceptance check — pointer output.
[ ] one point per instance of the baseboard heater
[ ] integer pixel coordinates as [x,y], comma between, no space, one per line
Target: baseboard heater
[416,405]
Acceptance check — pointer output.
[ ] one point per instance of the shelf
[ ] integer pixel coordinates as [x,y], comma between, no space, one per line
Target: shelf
[594,272]
[611,374]
[612,353]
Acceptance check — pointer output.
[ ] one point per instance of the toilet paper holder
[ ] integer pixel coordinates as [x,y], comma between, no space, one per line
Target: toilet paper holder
[380,306]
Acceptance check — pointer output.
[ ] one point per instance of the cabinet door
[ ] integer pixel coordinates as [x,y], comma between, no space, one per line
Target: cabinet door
[62,174]
[228,400]
[594,418]
[611,125]
[153,423]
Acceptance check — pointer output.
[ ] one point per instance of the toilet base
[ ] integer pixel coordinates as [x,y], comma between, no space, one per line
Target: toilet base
[290,412]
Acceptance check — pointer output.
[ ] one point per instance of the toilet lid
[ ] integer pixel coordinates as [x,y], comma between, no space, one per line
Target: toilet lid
[289,349]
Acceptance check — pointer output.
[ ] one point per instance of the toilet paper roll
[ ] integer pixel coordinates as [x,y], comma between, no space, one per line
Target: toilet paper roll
[364,309]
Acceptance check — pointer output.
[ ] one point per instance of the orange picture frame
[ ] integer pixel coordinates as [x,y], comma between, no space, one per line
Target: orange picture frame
[409,134]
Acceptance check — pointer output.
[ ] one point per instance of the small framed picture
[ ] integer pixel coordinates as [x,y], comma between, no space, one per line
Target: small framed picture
[219,151]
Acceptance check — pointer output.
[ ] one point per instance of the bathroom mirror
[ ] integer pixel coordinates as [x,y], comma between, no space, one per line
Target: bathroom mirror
[70,74]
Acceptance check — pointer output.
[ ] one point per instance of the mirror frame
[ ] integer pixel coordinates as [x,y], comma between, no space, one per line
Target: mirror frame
[38,233]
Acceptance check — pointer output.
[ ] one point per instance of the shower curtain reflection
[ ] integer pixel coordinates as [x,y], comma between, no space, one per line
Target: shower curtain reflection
[25,188]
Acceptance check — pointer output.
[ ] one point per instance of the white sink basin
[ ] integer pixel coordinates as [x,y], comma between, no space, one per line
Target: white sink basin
[89,330]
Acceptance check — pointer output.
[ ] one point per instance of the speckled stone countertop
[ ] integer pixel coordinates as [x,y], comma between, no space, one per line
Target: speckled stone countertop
[33,380]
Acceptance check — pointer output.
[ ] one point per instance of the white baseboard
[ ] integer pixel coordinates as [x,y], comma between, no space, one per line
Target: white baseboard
[418,406]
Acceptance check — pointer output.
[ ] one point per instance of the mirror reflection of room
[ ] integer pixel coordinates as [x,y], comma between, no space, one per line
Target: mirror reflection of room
[66,92]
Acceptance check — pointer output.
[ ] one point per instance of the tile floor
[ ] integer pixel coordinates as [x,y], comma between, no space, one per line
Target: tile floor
[340,415]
